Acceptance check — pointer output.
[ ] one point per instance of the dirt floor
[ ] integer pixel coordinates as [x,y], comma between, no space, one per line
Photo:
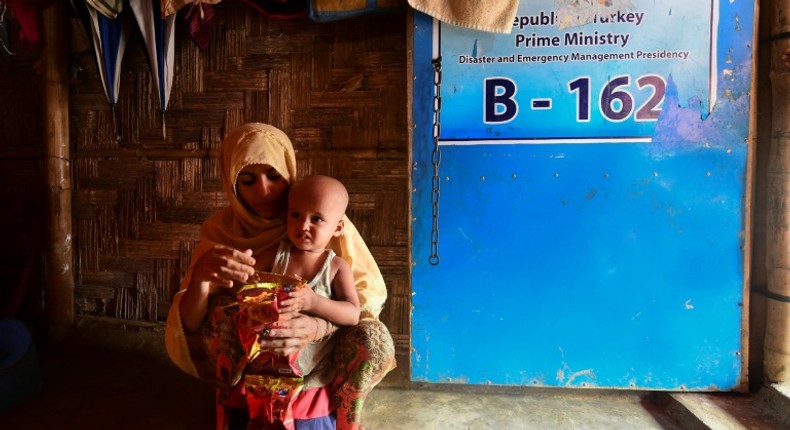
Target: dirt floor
[94,383]
[91,382]
[99,379]
[95,377]
[123,379]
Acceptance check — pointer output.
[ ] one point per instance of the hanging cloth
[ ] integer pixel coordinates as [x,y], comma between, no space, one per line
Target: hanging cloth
[5,42]
[28,14]
[494,16]
[158,33]
[333,10]
[170,7]
[200,18]
[108,8]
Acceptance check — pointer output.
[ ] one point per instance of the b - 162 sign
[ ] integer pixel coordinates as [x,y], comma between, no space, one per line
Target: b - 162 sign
[573,74]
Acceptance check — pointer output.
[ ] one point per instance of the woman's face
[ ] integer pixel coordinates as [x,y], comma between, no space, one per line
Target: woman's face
[262,190]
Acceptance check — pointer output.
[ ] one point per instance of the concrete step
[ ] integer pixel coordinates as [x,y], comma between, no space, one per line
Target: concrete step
[473,407]
[765,410]
[477,408]
[775,401]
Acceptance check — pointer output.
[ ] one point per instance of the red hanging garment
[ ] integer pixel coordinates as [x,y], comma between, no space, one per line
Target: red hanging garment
[28,14]
[201,23]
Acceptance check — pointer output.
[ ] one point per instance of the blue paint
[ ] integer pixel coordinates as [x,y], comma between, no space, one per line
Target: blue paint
[597,264]
[574,268]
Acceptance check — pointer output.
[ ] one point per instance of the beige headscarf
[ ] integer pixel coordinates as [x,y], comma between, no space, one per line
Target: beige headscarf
[235,226]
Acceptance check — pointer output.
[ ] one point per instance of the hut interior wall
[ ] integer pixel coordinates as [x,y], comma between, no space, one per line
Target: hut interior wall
[337,89]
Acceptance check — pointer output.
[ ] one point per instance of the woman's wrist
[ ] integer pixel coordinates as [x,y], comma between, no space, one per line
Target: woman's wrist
[317,336]
[311,336]
[323,328]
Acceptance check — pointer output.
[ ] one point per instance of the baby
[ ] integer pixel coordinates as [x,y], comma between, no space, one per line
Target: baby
[316,210]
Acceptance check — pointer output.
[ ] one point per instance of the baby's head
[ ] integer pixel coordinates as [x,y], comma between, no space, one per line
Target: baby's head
[316,205]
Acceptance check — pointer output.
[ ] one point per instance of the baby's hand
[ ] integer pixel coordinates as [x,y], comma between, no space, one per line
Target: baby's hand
[298,301]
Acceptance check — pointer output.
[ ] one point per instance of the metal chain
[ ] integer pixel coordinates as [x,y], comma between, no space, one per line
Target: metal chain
[436,159]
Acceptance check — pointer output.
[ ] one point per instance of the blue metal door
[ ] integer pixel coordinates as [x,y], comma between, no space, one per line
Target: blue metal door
[580,205]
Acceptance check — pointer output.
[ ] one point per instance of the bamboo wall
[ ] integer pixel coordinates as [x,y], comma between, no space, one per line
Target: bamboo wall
[338,90]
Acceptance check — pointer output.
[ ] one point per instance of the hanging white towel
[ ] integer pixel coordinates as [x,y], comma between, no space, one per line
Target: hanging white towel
[494,16]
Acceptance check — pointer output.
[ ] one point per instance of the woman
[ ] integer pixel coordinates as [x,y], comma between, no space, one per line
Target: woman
[258,164]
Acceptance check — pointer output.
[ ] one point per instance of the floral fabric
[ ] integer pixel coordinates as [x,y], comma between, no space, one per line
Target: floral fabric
[363,355]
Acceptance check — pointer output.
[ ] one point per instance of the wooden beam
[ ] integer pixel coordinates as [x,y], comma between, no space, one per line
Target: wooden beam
[777,332]
[59,281]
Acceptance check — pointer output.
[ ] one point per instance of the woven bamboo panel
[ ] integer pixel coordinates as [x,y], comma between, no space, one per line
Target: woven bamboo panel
[339,91]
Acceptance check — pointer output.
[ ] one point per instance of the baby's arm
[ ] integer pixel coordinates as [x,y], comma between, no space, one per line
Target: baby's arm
[343,310]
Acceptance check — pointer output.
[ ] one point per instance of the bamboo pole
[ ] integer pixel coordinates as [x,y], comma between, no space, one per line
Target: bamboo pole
[59,289]
[749,210]
[759,277]
[777,333]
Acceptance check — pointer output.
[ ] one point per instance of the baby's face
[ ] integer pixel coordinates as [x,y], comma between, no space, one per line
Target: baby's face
[313,220]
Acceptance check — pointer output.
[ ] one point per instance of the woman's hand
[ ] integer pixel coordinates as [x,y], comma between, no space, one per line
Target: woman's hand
[291,336]
[222,265]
